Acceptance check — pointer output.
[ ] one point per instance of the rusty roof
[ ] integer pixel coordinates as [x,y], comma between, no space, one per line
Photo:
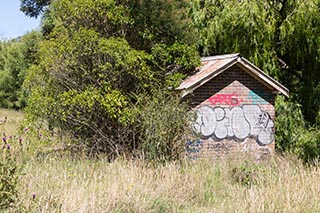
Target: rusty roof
[214,65]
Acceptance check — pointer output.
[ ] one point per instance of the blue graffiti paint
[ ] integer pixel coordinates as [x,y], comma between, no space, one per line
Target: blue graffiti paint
[259,97]
[194,146]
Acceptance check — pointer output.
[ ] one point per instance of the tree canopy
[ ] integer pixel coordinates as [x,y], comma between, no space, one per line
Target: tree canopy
[279,36]
[16,57]
[92,71]
[33,8]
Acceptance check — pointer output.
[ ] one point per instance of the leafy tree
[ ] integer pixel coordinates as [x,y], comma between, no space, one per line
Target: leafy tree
[10,78]
[157,21]
[86,81]
[280,36]
[300,44]
[151,22]
[16,56]
[89,78]
[33,8]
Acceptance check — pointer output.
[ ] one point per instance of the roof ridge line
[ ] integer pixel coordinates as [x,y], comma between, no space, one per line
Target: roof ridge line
[216,57]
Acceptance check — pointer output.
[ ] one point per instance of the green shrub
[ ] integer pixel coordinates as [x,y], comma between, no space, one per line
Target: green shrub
[9,171]
[162,125]
[289,124]
[293,135]
[308,146]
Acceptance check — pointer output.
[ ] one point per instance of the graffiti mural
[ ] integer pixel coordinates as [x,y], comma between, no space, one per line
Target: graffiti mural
[238,123]
[194,146]
[260,97]
[227,99]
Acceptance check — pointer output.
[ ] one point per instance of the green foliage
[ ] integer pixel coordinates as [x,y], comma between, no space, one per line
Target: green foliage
[235,26]
[174,62]
[83,81]
[162,125]
[15,58]
[300,37]
[289,123]
[11,75]
[33,8]
[157,21]
[9,171]
[90,77]
[308,147]
[142,23]
[104,16]
[292,134]
[91,81]
[280,37]
[245,173]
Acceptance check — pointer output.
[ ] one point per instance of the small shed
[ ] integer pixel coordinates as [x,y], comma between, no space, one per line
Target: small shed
[234,104]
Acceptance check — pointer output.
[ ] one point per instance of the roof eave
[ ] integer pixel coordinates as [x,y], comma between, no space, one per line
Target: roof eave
[247,66]
[262,77]
[185,91]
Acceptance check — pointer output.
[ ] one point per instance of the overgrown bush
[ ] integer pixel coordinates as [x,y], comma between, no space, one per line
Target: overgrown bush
[90,79]
[162,123]
[94,95]
[289,124]
[88,93]
[293,134]
[308,147]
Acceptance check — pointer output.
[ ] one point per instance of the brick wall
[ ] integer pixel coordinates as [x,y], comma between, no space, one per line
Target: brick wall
[234,113]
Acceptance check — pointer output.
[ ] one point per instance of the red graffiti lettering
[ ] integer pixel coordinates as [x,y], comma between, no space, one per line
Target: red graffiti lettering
[227,99]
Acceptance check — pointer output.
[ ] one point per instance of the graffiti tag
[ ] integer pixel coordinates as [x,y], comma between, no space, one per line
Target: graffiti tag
[227,99]
[252,147]
[219,147]
[260,97]
[194,146]
[238,122]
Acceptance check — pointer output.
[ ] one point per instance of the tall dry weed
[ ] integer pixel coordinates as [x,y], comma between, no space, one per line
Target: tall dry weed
[282,184]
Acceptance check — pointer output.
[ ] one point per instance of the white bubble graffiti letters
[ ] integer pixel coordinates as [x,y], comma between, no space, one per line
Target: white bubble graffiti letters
[205,123]
[238,122]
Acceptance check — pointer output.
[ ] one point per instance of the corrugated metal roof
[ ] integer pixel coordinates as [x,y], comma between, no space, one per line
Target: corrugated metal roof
[210,65]
[214,65]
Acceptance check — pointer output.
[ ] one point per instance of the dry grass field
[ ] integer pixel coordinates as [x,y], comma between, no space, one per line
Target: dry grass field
[63,183]
[83,185]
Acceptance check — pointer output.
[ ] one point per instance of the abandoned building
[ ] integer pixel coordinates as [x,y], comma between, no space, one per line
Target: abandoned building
[234,104]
